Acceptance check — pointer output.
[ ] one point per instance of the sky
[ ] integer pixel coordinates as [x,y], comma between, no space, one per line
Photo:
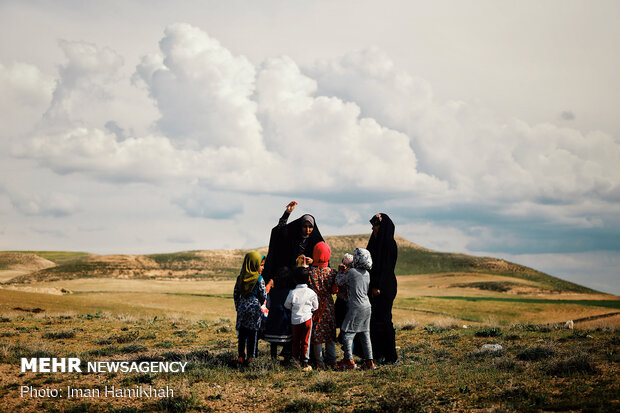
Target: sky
[482,127]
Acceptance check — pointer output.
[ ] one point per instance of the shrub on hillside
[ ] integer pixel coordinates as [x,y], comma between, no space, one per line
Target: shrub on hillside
[489,332]
[535,353]
[578,364]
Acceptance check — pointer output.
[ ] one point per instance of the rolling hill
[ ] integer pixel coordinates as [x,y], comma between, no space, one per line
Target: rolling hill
[207,264]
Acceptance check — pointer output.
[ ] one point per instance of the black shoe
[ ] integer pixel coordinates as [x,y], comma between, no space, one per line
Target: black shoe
[392,362]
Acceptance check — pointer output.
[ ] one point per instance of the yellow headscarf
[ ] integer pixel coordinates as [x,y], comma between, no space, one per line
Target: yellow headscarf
[249,273]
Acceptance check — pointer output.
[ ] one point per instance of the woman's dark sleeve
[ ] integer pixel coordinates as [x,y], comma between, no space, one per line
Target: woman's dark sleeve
[386,278]
[276,244]
[283,219]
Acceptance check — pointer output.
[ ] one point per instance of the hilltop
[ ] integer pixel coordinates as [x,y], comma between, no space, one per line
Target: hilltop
[413,259]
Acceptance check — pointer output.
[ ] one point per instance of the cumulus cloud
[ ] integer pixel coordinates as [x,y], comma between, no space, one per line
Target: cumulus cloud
[25,92]
[202,90]
[225,124]
[84,76]
[98,152]
[465,144]
[326,141]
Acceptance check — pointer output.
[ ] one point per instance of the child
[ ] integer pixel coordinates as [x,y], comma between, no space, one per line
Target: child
[302,302]
[357,319]
[323,283]
[248,294]
[278,326]
[340,306]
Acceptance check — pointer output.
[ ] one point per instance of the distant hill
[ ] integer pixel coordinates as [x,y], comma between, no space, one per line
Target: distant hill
[23,261]
[412,260]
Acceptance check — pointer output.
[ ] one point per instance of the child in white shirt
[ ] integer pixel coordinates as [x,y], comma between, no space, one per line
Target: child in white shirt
[302,302]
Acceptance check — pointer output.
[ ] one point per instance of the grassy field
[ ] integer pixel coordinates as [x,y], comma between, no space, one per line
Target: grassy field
[179,307]
[542,365]
[443,368]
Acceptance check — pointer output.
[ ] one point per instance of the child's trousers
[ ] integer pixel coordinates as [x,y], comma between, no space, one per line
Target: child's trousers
[365,342]
[286,350]
[301,340]
[247,338]
[330,352]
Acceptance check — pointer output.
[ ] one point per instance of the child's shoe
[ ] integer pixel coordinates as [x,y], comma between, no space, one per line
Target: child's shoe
[306,367]
[368,365]
[346,365]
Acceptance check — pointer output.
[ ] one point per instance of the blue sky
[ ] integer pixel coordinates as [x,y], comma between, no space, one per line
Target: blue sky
[482,128]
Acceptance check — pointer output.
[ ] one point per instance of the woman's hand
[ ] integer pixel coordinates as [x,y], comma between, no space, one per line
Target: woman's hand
[291,206]
[375,292]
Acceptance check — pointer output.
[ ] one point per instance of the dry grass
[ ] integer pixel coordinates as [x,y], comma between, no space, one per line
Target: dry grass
[129,319]
[438,371]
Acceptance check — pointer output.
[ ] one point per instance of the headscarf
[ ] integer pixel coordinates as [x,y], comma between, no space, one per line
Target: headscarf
[362,259]
[321,254]
[249,273]
[307,218]
[384,253]
[347,260]
[384,237]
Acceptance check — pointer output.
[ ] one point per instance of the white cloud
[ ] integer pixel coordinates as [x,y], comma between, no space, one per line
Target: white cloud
[25,92]
[211,102]
[466,144]
[328,145]
[356,124]
[97,152]
[202,90]
[85,76]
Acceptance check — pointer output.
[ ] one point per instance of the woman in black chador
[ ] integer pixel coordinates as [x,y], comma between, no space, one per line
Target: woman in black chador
[291,244]
[384,252]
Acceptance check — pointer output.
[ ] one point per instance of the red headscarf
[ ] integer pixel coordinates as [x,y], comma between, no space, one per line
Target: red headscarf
[321,254]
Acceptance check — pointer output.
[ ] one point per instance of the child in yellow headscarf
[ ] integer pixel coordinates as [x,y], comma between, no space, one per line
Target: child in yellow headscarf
[249,294]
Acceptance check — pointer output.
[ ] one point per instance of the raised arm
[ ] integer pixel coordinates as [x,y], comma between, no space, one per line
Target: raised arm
[287,212]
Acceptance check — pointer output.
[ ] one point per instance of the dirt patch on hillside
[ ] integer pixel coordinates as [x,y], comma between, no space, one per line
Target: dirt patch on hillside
[24,262]
[129,261]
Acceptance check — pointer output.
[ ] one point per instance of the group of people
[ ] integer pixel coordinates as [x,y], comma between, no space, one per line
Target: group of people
[294,284]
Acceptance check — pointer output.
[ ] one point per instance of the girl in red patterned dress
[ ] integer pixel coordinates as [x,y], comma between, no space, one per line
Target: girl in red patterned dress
[323,283]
